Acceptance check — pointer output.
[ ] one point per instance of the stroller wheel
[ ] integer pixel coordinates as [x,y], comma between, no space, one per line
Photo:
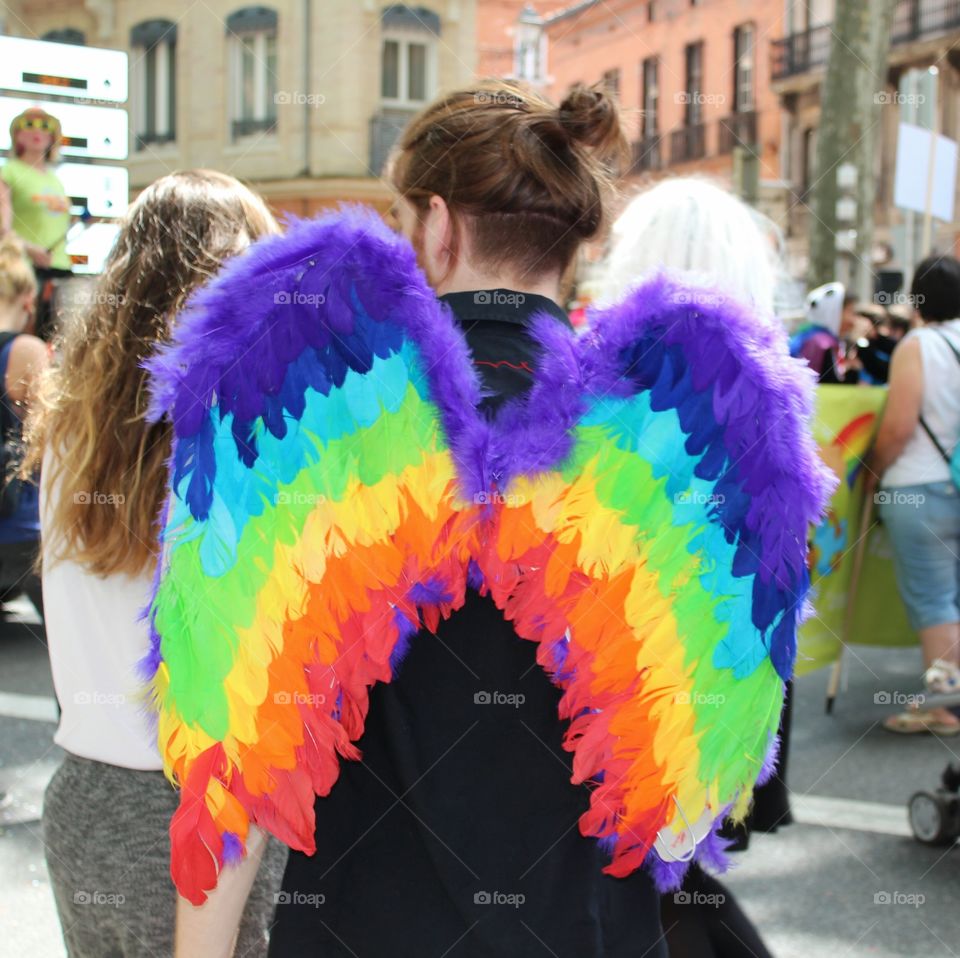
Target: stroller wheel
[930,819]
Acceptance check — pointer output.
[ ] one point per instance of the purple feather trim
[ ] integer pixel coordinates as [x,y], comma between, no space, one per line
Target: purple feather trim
[711,849]
[711,852]
[232,853]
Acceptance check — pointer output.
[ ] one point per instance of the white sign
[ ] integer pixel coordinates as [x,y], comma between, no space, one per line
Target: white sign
[63,69]
[93,131]
[913,162]
[91,246]
[101,189]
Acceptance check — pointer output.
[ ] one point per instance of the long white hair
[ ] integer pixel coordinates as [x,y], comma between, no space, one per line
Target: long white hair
[693,227]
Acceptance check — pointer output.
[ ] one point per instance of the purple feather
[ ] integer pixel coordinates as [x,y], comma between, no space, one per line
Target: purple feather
[232,853]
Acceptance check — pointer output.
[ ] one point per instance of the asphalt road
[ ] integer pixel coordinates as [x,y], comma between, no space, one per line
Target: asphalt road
[846,881]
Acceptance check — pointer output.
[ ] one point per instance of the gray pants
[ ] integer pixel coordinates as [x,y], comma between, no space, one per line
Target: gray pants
[108,853]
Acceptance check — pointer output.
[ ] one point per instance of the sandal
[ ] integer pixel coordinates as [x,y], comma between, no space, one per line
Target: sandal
[919,721]
[942,678]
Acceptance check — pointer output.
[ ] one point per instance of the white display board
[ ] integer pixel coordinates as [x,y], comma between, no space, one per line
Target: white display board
[913,169]
[98,132]
[63,69]
[92,246]
[101,189]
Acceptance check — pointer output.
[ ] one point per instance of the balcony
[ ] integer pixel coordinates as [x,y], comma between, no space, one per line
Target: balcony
[920,19]
[647,154]
[688,143]
[800,52]
[912,20]
[738,129]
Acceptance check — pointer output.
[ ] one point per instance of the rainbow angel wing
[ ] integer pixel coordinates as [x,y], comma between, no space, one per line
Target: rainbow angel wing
[641,514]
[313,507]
[661,564]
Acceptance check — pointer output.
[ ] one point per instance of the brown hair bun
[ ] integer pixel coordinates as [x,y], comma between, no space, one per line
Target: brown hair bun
[590,116]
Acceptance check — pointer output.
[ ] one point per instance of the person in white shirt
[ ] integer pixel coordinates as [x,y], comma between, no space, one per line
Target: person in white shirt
[918,500]
[104,466]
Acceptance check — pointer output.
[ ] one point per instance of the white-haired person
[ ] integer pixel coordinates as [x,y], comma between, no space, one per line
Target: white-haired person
[692,226]
[696,230]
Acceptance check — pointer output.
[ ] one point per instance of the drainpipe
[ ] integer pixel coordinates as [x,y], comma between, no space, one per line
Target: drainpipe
[307,28]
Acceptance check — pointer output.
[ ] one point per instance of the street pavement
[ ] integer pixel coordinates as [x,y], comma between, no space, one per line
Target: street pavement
[845,881]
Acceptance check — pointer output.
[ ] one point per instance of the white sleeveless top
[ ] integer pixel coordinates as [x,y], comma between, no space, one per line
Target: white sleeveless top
[920,461]
[95,639]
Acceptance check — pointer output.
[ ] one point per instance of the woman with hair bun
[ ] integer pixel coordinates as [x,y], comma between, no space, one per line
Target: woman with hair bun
[457,832]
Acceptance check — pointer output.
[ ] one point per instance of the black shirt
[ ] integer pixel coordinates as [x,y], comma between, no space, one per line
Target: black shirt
[457,834]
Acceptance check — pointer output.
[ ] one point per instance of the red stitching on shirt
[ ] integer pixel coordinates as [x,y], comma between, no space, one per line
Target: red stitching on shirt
[503,362]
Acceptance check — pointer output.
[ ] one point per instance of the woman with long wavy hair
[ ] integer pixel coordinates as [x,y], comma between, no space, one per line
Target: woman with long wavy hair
[107,808]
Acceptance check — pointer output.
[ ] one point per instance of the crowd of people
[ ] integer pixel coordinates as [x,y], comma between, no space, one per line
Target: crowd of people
[494,194]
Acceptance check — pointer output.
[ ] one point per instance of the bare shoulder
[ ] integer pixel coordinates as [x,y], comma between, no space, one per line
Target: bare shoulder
[29,356]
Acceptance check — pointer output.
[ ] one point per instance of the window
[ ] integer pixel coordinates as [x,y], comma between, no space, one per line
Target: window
[528,60]
[407,70]
[408,74]
[154,82]
[693,112]
[743,69]
[530,48]
[611,83]
[252,36]
[650,97]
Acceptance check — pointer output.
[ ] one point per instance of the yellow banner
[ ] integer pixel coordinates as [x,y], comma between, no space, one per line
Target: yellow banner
[846,422]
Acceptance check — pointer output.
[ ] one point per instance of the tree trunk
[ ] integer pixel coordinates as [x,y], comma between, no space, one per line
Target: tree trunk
[852,97]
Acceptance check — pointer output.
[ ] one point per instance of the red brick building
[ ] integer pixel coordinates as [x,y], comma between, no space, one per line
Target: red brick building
[691,75]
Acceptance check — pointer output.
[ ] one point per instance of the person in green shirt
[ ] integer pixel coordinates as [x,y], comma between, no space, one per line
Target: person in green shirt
[39,211]
[33,202]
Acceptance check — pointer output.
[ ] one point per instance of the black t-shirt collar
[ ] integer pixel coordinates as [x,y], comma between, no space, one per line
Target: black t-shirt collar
[502,305]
